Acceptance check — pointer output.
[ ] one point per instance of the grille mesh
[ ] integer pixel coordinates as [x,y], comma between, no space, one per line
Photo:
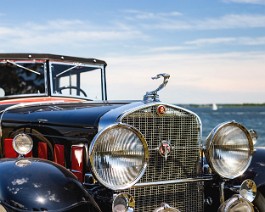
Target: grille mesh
[181,129]
[185,197]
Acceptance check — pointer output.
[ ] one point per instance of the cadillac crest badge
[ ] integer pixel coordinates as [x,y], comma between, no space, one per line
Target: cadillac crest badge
[164,149]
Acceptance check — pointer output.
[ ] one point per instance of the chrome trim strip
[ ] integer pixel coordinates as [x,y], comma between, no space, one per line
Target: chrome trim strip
[116,115]
[112,116]
[103,83]
[2,112]
[188,180]
[144,105]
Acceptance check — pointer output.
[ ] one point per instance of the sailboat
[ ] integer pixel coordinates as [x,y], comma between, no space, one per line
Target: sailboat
[214,106]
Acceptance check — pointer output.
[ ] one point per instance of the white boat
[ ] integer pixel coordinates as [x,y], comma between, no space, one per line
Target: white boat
[214,106]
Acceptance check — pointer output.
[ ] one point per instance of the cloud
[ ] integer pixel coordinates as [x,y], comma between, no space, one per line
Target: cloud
[143,15]
[247,41]
[169,49]
[252,41]
[207,41]
[84,34]
[204,42]
[229,21]
[262,2]
[233,21]
[5,31]
[62,33]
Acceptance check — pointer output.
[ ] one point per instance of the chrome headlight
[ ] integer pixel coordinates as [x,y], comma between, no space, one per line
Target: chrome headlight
[123,202]
[2,209]
[229,149]
[236,203]
[248,190]
[118,156]
[22,144]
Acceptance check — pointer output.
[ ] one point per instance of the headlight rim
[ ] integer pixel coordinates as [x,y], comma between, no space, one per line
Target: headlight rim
[146,153]
[16,146]
[209,145]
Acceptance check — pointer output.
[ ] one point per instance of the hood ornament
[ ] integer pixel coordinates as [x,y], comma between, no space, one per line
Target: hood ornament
[152,95]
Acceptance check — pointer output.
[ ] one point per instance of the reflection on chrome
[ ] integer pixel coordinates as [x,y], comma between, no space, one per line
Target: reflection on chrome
[248,190]
[20,181]
[236,203]
[123,202]
[13,190]
[17,185]
[23,163]
[37,185]
[52,197]
[41,200]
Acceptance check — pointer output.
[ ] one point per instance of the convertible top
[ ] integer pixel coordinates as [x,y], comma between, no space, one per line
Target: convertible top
[54,57]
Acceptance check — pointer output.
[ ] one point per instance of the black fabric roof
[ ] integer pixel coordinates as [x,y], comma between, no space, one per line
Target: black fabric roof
[52,57]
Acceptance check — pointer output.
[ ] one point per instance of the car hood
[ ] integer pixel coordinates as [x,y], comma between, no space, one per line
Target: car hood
[61,114]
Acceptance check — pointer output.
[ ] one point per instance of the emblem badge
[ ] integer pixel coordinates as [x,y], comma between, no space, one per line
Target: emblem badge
[161,110]
[165,149]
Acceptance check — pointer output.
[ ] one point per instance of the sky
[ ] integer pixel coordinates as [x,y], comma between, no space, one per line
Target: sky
[214,50]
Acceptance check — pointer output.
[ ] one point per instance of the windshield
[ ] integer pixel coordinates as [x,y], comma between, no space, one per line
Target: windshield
[77,80]
[21,78]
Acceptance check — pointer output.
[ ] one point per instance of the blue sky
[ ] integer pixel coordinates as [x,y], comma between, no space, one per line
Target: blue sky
[214,50]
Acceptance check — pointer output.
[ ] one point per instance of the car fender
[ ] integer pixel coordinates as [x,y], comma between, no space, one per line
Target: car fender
[256,172]
[36,184]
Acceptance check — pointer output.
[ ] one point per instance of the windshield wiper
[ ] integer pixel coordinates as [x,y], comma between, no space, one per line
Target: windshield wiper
[20,66]
[69,69]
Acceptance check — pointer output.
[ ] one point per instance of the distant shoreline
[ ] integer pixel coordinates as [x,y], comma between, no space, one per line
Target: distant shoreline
[224,105]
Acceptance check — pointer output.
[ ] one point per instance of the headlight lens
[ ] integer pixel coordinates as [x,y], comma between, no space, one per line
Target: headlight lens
[22,144]
[118,156]
[229,149]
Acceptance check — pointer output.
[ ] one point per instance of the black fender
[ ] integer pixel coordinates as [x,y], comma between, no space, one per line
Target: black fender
[30,184]
[256,172]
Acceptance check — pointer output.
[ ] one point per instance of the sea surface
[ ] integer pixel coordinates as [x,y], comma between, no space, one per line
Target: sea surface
[252,117]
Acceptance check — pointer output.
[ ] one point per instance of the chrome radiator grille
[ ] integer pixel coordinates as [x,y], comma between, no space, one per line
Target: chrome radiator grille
[187,197]
[181,129]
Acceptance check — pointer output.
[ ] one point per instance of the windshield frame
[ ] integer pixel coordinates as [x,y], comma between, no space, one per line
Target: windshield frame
[100,67]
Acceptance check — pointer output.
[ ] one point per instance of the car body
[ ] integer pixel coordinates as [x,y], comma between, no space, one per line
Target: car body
[65,147]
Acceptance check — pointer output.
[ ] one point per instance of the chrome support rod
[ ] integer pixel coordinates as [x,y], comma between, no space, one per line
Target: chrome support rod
[222,194]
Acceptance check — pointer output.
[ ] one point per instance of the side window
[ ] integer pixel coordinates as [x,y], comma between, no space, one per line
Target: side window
[22,78]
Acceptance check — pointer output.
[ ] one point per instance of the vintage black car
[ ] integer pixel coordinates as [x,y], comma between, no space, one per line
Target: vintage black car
[65,147]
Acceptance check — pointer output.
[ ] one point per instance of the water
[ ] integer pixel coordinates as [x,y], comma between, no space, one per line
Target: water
[250,117]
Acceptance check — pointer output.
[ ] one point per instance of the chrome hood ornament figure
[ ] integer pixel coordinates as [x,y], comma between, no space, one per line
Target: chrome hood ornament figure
[152,95]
